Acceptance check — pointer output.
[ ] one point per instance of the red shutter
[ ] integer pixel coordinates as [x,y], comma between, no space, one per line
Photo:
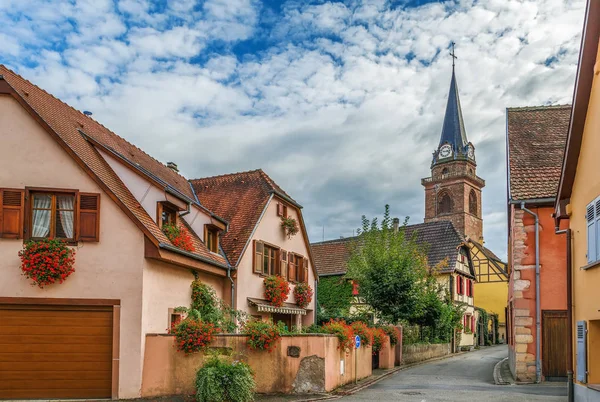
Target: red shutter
[12,211]
[473,323]
[89,217]
[305,278]
[354,288]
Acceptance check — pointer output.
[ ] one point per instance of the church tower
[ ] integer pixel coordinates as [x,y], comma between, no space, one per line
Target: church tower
[453,192]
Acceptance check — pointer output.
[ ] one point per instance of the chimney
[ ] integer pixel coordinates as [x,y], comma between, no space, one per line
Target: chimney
[173,166]
[395,224]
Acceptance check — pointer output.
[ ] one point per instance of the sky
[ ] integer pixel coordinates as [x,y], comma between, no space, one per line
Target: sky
[340,102]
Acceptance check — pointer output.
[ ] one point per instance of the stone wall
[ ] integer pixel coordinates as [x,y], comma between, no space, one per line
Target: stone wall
[421,352]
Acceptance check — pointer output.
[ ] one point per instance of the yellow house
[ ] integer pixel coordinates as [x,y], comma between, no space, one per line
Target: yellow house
[579,201]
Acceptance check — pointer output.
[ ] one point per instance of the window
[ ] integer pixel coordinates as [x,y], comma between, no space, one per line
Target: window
[282,210]
[460,289]
[473,203]
[211,237]
[52,216]
[593,230]
[166,214]
[444,172]
[445,204]
[265,259]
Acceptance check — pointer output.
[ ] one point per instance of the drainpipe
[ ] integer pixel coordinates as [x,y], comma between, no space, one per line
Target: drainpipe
[538,326]
[569,315]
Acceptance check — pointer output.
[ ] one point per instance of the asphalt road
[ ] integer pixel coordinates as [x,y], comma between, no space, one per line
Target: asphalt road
[467,377]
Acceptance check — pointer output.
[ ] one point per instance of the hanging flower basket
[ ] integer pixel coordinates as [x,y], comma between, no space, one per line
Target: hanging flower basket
[277,290]
[47,261]
[303,294]
[290,226]
[179,236]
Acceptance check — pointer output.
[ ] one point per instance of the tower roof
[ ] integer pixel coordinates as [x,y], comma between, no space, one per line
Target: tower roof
[453,129]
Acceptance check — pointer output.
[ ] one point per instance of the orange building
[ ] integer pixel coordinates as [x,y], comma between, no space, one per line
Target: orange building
[537,302]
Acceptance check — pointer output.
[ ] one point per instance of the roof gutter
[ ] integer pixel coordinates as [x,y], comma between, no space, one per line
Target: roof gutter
[193,256]
[534,201]
[286,198]
[336,274]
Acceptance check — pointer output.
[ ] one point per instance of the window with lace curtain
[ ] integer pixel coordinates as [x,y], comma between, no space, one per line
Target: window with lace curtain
[52,216]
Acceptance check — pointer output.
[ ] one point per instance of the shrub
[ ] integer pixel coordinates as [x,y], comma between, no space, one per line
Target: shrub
[393,333]
[47,261]
[214,310]
[262,335]
[378,339]
[219,381]
[179,236]
[193,334]
[361,329]
[303,294]
[344,333]
[277,290]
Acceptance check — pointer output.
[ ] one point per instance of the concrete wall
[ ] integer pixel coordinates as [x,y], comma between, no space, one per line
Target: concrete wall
[387,355]
[320,367]
[269,230]
[109,269]
[522,350]
[586,187]
[420,352]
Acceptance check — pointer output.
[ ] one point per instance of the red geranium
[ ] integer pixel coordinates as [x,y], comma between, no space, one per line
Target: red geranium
[261,334]
[303,294]
[343,331]
[179,236]
[277,290]
[393,333]
[361,329]
[378,339]
[47,261]
[193,335]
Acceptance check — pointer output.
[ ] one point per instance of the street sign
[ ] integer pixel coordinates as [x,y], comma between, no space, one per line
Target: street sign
[357,341]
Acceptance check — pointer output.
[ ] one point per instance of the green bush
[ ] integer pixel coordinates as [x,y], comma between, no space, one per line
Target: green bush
[220,381]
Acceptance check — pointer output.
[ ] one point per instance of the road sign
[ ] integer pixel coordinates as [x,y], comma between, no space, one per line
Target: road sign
[357,341]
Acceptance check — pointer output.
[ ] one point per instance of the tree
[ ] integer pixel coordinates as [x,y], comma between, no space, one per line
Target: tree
[390,268]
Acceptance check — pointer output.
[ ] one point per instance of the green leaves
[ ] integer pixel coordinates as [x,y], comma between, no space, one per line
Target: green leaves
[220,381]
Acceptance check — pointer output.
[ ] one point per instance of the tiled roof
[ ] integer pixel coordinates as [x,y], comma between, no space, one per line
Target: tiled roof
[240,198]
[67,122]
[536,144]
[440,240]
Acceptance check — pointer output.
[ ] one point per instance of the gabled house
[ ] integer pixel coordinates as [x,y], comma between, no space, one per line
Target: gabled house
[257,245]
[537,301]
[446,249]
[65,176]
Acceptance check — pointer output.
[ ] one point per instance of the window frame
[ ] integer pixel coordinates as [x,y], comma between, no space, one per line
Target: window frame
[30,192]
[440,203]
[161,206]
[214,231]
[473,203]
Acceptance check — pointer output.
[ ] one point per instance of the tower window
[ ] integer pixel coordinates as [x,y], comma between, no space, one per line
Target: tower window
[473,202]
[444,172]
[445,204]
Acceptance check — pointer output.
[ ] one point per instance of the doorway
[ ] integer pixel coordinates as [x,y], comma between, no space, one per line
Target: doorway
[554,339]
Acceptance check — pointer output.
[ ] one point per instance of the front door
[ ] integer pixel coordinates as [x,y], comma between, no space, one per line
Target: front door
[285,318]
[554,339]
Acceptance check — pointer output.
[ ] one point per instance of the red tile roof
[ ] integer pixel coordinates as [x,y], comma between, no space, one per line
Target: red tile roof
[331,257]
[66,122]
[239,198]
[536,145]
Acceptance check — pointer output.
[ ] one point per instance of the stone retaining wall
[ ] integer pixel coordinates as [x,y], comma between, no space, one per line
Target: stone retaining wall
[421,352]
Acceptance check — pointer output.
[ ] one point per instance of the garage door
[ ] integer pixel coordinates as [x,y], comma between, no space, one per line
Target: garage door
[55,352]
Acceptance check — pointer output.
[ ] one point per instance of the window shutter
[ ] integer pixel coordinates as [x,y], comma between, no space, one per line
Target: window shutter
[473,323]
[277,267]
[89,216]
[279,209]
[283,263]
[12,211]
[305,278]
[472,288]
[354,288]
[258,257]
[581,351]
[597,229]
[292,266]
[591,233]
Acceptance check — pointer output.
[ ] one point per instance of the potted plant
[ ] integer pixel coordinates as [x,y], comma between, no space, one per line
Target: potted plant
[290,226]
[277,290]
[47,261]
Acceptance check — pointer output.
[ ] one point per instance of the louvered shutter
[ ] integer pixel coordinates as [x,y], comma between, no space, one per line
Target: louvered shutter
[277,263]
[597,229]
[89,217]
[305,279]
[258,257]
[581,351]
[591,232]
[279,209]
[473,323]
[12,211]
[283,263]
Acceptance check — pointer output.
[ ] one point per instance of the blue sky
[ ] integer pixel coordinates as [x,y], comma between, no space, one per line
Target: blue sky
[341,102]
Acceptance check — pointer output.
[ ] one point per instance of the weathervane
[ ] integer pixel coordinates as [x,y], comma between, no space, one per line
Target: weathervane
[452,54]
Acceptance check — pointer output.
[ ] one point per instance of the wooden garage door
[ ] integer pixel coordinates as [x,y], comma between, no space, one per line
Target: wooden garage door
[55,352]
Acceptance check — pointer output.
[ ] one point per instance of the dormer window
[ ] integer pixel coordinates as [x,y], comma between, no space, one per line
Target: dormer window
[211,238]
[167,214]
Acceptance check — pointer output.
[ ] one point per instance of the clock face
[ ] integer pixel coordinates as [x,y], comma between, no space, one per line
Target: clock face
[445,151]
[471,152]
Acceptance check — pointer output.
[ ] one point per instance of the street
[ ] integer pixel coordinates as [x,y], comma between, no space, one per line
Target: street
[467,377]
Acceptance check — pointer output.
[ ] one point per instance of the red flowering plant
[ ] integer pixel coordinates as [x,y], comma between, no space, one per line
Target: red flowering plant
[192,334]
[262,335]
[393,333]
[378,339]
[179,236]
[303,294]
[361,329]
[47,261]
[277,290]
[343,331]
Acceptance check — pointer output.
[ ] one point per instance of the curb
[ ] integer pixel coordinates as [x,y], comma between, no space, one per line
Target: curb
[498,379]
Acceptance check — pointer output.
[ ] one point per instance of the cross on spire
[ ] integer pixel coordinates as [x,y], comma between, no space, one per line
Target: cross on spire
[453,55]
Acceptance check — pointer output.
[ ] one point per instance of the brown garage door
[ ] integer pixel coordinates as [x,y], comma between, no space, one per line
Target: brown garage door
[55,352]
